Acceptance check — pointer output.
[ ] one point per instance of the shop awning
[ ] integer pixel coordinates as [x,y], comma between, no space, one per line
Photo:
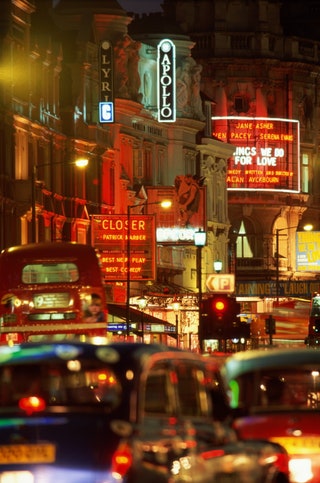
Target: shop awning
[137,318]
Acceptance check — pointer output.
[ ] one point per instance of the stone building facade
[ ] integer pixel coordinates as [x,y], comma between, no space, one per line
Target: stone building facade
[258,61]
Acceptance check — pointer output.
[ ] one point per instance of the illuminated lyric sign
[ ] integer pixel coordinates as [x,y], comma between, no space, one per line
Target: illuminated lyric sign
[308,251]
[266,155]
[110,238]
[106,104]
[166,70]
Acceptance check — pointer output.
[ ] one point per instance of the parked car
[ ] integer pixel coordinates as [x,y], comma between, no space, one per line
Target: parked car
[133,413]
[275,395]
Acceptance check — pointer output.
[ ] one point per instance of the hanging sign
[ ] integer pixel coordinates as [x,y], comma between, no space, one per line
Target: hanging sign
[166,70]
[106,104]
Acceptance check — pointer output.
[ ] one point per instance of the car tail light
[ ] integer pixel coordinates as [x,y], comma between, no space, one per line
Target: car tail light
[279,460]
[121,460]
[282,462]
[32,404]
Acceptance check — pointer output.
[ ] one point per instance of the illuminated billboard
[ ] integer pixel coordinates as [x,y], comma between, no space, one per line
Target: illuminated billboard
[266,155]
[109,235]
[308,251]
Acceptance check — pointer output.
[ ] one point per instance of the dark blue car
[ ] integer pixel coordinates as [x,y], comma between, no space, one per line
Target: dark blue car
[133,413]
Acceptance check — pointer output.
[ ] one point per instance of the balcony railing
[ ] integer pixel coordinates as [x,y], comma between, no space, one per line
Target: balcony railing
[260,264]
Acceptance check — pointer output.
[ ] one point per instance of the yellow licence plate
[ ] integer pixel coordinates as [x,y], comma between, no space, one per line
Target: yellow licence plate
[300,444]
[27,453]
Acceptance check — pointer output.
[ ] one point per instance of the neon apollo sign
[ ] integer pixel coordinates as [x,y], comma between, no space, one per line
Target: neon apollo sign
[166,71]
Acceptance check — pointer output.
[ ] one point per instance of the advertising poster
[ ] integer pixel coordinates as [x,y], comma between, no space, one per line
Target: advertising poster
[308,251]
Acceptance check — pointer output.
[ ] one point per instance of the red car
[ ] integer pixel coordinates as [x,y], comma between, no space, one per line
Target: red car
[276,395]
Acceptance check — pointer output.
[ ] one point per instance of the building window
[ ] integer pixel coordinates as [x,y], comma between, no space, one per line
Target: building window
[147,175]
[21,158]
[160,166]
[305,173]
[244,247]
[241,104]
[137,163]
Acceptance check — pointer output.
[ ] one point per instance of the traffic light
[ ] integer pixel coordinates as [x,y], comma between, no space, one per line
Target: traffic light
[270,325]
[220,319]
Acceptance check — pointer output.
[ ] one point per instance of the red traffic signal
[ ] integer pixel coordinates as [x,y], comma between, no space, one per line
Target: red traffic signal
[219,305]
[221,308]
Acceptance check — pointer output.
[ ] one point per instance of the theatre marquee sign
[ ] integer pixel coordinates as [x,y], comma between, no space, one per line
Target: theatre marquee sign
[266,155]
[287,289]
[110,233]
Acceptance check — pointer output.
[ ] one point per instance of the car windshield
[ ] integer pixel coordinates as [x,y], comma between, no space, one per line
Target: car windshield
[294,388]
[71,382]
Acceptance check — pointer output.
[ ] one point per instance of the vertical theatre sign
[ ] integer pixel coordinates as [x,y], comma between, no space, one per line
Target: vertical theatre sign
[166,82]
[110,237]
[106,104]
[266,155]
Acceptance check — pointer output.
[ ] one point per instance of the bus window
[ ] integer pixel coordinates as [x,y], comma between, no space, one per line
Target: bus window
[50,273]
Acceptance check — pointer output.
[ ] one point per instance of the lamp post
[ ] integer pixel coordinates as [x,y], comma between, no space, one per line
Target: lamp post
[176,308]
[163,204]
[307,227]
[142,301]
[79,163]
[217,265]
[200,238]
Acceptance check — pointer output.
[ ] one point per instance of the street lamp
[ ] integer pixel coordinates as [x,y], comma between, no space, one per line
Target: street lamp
[307,227]
[217,265]
[200,238]
[79,163]
[164,204]
[176,308]
[142,302]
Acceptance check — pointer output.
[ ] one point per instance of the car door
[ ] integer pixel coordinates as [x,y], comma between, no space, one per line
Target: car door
[173,423]
[156,436]
[194,420]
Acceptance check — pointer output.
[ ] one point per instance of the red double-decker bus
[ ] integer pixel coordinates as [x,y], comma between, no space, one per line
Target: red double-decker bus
[51,290]
[313,338]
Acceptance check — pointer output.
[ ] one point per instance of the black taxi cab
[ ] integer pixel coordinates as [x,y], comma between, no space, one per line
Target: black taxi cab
[84,413]
[275,395]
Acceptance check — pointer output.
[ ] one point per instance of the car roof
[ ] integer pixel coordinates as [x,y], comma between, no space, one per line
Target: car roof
[255,360]
[125,354]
